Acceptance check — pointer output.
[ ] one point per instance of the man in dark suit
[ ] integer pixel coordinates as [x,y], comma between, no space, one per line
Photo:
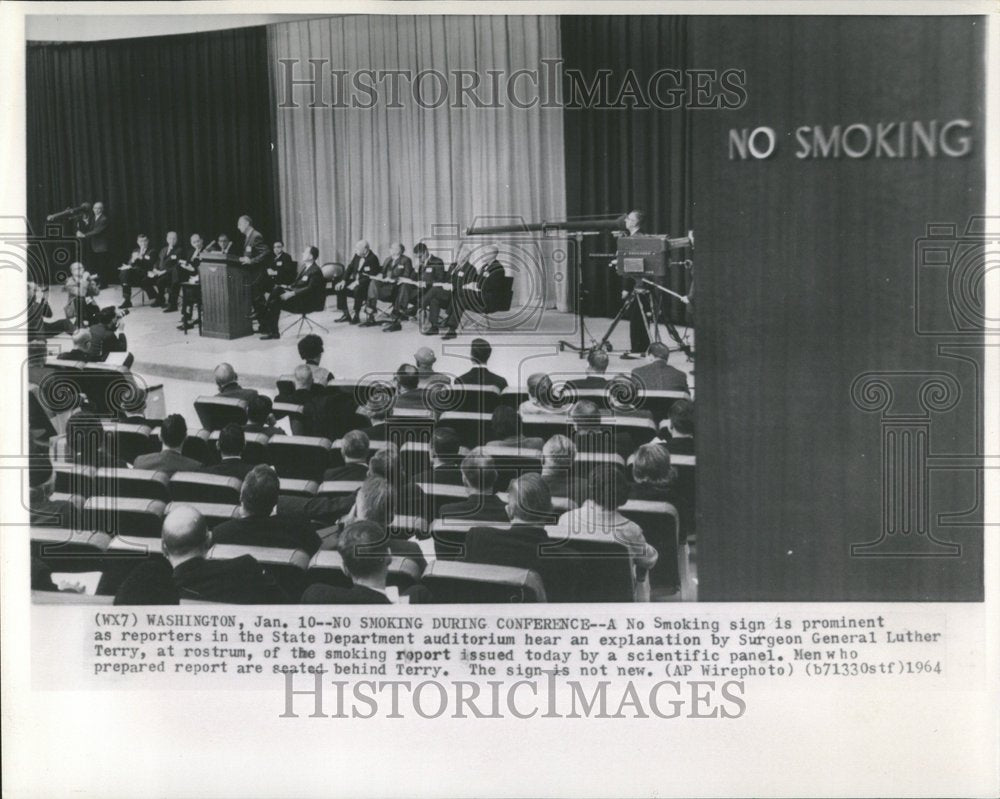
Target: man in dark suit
[316,409]
[597,365]
[139,271]
[446,465]
[354,449]
[222,244]
[592,436]
[429,271]
[103,338]
[232,442]
[480,352]
[680,426]
[226,382]
[185,543]
[173,431]
[354,282]
[479,476]
[166,265]
[659,374]
[82,347]
[477,290]
[279,270]
[186,275]
[448,282]
[409,395]
[306,292]
[258,526]
[259,417]
[255,251]
[409,285]
[95,232]
[385,285]
[364,546]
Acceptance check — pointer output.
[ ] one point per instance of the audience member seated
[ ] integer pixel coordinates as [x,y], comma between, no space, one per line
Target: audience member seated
[312,398]
[659,375]
[446,464]
[259,417]
[46,512]
[479,375]
[409,396]
[425,358]
[82,347]
[187,574]
[86,443]
[592,437]
[656,480]
[226,381]
[103,338]
[505,426]
[558,471]
[365,549]
[376,411]
[311,351]
[406,498]
[354,449]
[258,525]
[680,426]
[541,398]
[39,311]
[597,365]
[607,490]
[479,476]
[232,441]
[173,431]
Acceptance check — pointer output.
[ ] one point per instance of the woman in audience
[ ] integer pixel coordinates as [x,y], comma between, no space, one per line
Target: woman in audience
[608,490]
[311,350]
[656,481]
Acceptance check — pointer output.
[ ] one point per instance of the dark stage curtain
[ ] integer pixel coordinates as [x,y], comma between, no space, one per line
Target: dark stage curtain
[171,133]
[623,158]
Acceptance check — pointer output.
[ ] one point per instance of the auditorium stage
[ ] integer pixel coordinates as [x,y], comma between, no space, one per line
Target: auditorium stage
[184,363]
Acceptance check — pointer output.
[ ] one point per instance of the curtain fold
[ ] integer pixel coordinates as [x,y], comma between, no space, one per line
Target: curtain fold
[618,159]
[171,133]
[414,173]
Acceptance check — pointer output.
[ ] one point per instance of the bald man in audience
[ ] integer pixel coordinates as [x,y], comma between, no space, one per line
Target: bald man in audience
[424,358]
[355,281]
[226,381]
[188,574]
[82,347]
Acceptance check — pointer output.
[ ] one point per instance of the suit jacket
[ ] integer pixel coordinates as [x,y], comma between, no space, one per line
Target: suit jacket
[362,268]
[432,271]
[143,261]
[441,475]
[254,247]
[481,507]
[286,532]
[103,341]
[309,283]
[284,266]
[167,461]
[230,467]
[241,581]
[661,376]
[96,233]
[684,445]
[412,400]
[480,375]
[589,383]
[401,268]
[488,279]
[234,389]
[192,257]
[168,257]
[349,471]
[322,594]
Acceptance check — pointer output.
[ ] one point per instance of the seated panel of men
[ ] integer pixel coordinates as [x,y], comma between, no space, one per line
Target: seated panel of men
[136,272]
[305,293]
[355,281]
[477,292]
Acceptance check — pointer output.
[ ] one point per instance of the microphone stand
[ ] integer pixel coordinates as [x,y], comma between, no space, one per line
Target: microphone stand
[581,349]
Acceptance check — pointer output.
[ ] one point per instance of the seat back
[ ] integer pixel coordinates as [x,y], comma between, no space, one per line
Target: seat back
[602,567]
[254,452]
[133,484]
[216,412]
[74,479]
[201,487]
[477,398]
[65,550]
[414,457]
[327,567]
[142,518]
[544,428]
[453,582]
[513,397]
[288,566]
[659,401]
[215,513]
[339,488]
[439,494]
[299,457]
[661,527]
[128,441]
[501,299]
[285,385]
[512,462]
[449,535]
[472,428]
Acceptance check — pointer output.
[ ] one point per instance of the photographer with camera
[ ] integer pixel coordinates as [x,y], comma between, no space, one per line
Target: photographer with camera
[104,335]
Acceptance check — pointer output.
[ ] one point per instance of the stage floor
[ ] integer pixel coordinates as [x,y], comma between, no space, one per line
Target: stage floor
[184,363]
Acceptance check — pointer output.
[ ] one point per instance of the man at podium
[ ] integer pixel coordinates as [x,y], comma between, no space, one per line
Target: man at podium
[307,292]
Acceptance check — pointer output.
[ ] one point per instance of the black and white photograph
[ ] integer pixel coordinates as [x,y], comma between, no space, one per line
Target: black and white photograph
[387,340]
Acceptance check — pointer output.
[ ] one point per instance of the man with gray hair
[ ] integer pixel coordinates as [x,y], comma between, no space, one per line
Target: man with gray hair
[82,341]
[558,472]
[355,281]
[658,374]
[188,574]
[478,291]
[354,449]
[226,381]
[385,285]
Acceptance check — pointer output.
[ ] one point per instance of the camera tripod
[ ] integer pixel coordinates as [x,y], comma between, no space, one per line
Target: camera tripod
[652,321]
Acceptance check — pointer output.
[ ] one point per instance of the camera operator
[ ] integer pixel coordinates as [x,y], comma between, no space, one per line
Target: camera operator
[104,334]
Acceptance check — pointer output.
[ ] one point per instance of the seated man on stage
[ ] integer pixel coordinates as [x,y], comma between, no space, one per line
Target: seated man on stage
[476,291]
[447,281]
[222,244]
[409,287]
[386,285]
[186,276]
[279,269]
[307,288]
[137,271]
[169,256]
[355,282]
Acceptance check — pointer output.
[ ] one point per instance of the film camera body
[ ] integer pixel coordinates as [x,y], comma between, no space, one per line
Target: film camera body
[648,256]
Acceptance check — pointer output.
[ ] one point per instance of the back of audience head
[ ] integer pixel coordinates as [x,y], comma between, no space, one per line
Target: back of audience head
[659,350]
[364,546]
[585,413]
[529,499]
[310,347]
[504,422]
[354,446]
[651,464]
[445,444]
[259,409]
[424,358]
[173,431]
[597,360]
[682,417]
[479,473]
[407,377]
[372,500]
[480,351]
[608,486]
[385,464]
[540,389]
[82,340]
[558,453]
[232,441]
[185,535]
[303,377]
[259,494]
[224,375]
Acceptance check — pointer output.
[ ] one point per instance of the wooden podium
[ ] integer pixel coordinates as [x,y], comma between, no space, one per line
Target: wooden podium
[225,296]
